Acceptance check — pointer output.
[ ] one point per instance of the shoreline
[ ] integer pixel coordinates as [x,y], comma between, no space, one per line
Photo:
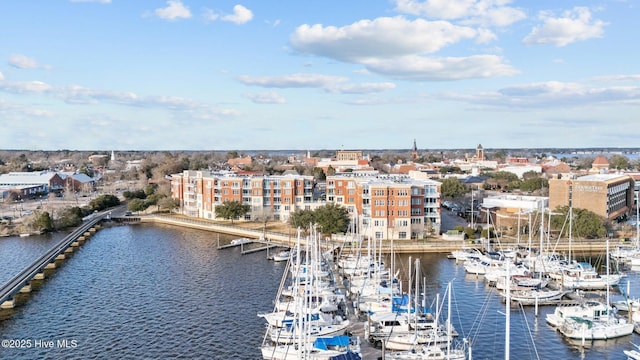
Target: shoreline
[432,245]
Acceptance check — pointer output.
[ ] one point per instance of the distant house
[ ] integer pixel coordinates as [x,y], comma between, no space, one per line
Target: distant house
[554,168]
[78,182]
[241,162]
[600,165]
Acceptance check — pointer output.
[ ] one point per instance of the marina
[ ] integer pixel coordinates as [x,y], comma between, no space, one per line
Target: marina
[85,300]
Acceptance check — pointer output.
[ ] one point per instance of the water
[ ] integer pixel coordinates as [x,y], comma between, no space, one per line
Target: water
[150,292]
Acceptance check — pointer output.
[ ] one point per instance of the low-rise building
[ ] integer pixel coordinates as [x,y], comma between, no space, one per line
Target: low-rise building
[31,183]
[508,212]
[608,195]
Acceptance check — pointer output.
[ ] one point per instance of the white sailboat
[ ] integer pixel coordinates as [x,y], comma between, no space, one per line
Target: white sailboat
[434,350]
[301,335]
[607,327]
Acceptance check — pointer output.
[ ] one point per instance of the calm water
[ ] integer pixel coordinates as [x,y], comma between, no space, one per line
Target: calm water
[154,292]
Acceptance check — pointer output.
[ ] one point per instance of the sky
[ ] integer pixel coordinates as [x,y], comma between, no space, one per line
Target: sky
[309,75]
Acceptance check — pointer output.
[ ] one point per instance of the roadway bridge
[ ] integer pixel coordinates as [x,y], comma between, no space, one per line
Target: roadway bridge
[21,282]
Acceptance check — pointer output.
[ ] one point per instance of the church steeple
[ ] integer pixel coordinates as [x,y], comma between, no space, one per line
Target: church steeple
[414,151]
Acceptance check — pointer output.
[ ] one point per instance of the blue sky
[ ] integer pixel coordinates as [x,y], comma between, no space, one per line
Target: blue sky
[305,75]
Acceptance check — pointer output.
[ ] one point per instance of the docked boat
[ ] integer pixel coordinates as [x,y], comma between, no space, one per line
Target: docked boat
[240,241]
[590,310]
[341,347]
[608,326]
[627,305]
[282,255]
[463,254]
[633,354]
[583,329]
[531,296]
[583,276]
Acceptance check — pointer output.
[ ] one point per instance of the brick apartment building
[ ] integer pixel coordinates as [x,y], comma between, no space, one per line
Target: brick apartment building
[384,206]
[274,197]
[388,206]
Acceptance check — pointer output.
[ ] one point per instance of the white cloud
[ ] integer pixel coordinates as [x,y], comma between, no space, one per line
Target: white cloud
[1,76]
[266,98]
[422,68]
[241,15]
[27,87]
[331,84]
[574,25]
[383,37]
[364,88]
[25,62]
[78,95]
[292,81]
[175,9]
[618,78]
[480,12]
[552,94]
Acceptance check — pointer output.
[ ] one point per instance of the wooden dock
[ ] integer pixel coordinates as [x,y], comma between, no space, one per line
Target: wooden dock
[262,248]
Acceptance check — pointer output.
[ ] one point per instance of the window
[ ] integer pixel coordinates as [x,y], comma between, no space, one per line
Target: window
[402,235]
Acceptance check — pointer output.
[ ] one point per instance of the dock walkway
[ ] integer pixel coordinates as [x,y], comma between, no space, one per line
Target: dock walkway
[429,245]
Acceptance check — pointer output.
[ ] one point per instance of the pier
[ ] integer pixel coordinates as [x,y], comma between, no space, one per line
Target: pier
[21,282]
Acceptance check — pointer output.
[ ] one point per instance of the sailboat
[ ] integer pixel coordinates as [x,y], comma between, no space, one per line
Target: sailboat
[606,327]
[434,350]
[298,335]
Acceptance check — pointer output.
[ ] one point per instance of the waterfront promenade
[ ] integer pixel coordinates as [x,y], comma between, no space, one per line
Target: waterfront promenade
[286,237]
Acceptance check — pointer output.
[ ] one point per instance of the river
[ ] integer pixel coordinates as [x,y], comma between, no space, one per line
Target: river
[154,292]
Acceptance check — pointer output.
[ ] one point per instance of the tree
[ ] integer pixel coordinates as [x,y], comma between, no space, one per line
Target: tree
[530,175]
[69,217]
[232,155]
[618,162]
[137,194]
[534,184]
[103,202]
[302,219]
[319,174]
[231,210]
[332,218]
[585,223]
[136,205]
[452,188]
[43,222]
[168,203]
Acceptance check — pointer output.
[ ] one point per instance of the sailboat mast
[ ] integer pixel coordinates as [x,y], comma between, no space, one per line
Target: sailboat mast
[507,333]
[449,320]
[570,219]
[608,280]
[637,221]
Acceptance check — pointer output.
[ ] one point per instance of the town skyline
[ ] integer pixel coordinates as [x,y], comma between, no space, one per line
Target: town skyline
[188,75]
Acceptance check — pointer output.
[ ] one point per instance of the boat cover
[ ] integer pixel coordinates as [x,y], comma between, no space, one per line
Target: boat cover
[323,343]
